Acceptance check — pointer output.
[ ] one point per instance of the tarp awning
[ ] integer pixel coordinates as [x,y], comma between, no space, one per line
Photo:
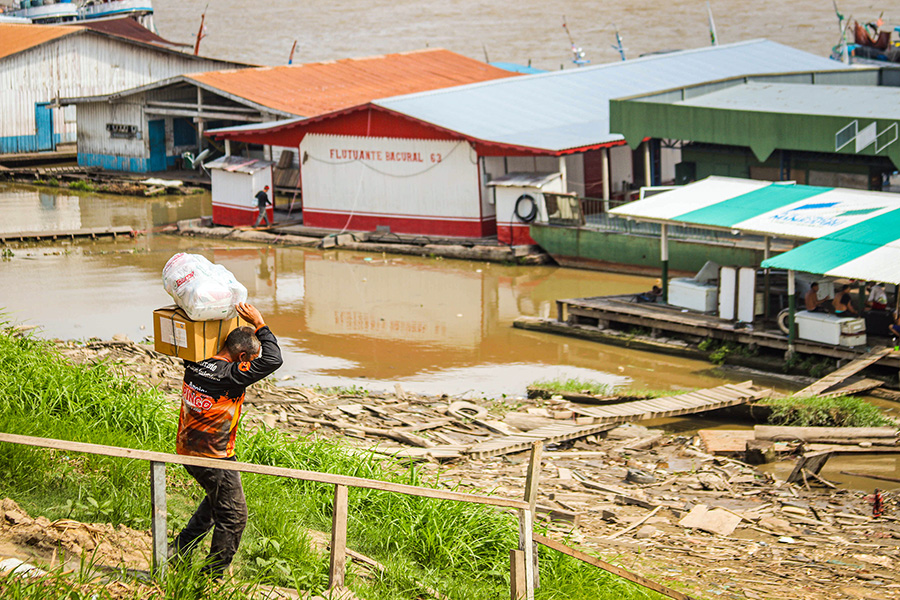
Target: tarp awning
[781,209]
[869,250]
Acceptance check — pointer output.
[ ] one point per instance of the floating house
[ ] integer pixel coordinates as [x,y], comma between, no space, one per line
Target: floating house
[168,117]
[421,163]
[39,64]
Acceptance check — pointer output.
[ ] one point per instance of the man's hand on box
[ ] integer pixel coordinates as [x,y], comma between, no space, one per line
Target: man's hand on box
[250,314]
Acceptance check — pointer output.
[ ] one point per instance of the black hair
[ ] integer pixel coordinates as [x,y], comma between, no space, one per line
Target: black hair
[242,340]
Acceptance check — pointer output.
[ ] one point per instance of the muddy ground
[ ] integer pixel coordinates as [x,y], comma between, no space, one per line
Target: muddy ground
[636,496]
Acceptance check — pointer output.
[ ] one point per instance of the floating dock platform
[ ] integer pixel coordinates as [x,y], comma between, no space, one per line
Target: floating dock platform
[63,234]
[592,317]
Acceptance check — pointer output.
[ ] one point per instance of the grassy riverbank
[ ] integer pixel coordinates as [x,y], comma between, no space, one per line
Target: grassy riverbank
[459,549]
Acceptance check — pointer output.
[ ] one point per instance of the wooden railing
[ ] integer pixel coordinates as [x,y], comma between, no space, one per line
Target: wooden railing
[522,568]
[524,575]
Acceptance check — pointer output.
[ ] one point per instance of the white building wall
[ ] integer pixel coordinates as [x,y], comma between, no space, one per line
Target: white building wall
[389,178]
[78,65]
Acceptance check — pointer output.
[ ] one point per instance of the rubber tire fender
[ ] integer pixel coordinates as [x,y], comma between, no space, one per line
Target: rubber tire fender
[523,200]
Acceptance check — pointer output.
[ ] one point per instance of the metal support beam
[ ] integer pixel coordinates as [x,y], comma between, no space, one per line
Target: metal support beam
[792,311]
[565,174]
[338,562]
[604,154]
[158,518]
[227,147]
[648,171]
[200,121]
[766,254]
[664,257]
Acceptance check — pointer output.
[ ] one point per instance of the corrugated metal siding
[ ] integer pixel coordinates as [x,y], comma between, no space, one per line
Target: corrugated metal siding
[80,65]
[570,109]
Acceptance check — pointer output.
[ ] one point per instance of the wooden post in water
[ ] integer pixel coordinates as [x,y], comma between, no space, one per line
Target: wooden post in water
[531,489]
[158,518]
[336,568]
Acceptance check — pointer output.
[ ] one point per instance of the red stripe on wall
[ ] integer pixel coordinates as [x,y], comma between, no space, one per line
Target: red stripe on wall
[238,217]
[399,224]
[514,234]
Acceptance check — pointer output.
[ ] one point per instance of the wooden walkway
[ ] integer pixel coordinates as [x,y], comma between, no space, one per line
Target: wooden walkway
[93,233]
[602,311]
[848,370]
[682,404]
[605,418]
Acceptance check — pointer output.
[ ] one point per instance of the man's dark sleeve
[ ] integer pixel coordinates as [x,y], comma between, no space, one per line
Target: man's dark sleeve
[268,362]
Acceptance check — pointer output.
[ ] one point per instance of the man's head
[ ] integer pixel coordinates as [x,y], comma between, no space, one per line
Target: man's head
[266,188]
[242,344]
[815,286]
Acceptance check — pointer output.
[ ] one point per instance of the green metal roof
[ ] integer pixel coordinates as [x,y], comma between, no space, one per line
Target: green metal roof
[765,116]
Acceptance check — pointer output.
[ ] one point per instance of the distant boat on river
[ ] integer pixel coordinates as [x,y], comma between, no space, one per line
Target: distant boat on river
[69,11]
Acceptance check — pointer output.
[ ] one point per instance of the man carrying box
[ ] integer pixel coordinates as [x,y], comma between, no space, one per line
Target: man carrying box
[211,400]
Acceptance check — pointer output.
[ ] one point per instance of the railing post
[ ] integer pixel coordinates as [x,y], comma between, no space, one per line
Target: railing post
[526,546]
[336,568]
[158,517]
[517,588]
[531,490]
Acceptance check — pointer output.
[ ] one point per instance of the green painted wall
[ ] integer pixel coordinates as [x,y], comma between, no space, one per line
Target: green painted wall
[587,245]
[763,132]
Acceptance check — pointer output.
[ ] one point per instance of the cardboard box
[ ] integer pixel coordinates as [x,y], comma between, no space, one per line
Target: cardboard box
[174,334]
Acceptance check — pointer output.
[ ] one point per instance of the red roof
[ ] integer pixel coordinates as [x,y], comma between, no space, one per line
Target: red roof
[317,88]
[15,38]
[126,27]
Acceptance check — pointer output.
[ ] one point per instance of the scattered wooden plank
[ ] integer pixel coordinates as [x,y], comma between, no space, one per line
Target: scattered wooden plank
[845,435]
[811,463]
[637,523]
[871,476]
[721,442]
[852,368]
[549,434]
[717,520]
[615,570]
[90,232]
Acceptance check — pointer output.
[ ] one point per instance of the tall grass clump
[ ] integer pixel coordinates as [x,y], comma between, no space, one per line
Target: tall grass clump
[840,411]
[460,549]
[581,386]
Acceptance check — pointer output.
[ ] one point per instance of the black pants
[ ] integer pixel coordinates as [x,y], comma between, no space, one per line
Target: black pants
[224,508]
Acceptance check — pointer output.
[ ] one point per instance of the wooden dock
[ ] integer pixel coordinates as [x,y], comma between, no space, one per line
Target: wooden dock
[66,234]
[603,312]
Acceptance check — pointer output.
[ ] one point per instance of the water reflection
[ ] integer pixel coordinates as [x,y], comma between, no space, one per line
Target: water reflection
[438,326]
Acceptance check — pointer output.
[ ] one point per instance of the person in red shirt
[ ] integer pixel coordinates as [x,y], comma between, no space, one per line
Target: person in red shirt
[211,398]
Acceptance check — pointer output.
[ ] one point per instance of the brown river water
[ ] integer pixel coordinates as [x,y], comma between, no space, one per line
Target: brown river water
[343,318]
[262,32]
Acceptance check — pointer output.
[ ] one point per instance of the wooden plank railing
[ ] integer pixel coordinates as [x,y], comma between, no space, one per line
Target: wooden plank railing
[525,555]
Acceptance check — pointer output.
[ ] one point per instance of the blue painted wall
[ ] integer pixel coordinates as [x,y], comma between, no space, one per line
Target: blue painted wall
[114,163]
[15,144]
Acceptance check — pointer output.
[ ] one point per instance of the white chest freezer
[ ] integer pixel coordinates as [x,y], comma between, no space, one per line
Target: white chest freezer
[831,329]
[689,293]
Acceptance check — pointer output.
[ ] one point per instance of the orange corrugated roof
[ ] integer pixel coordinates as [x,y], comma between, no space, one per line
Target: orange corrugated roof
[15,38]
[318,88]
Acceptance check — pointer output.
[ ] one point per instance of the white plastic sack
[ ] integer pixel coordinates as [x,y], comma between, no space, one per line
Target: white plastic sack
[205,291]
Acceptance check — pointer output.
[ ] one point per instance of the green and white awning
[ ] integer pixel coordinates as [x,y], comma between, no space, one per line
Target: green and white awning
[869,250]
[784,210]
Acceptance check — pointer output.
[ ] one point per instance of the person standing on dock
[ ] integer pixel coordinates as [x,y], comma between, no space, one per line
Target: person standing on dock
[211,398]
[262,200]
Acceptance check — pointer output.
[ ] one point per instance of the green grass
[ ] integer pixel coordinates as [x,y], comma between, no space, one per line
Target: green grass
[841,411]
[460,549]
[580,386]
